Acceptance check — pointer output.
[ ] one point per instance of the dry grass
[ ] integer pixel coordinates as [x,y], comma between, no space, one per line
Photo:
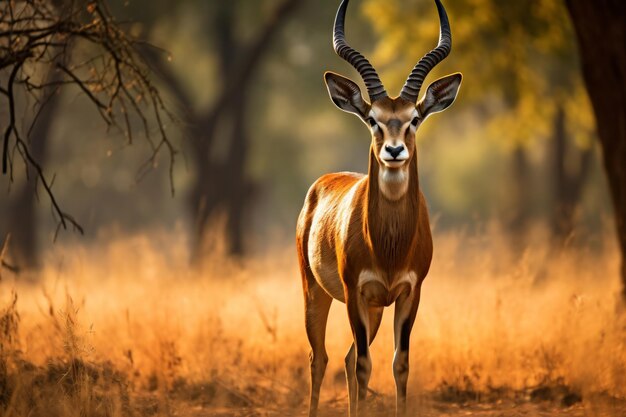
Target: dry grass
[127,328]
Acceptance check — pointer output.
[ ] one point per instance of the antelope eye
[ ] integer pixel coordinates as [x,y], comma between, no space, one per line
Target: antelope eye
[371,121]
[414,121]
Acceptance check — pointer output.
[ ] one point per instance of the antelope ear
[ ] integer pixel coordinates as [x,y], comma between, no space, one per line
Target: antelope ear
[439,95]
[346,94]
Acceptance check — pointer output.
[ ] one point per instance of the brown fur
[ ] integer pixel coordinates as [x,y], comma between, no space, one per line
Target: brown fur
[369,232]
[365,240]
[388,235]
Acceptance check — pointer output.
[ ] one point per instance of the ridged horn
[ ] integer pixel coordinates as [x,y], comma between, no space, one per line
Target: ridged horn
[411,89]
[375,88]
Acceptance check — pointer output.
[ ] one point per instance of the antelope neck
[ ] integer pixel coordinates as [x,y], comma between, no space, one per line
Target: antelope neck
[392,223]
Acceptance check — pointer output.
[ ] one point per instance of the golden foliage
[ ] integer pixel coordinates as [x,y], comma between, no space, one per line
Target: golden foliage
[519,60]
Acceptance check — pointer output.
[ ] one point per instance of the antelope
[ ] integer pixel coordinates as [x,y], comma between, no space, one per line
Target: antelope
[365,240]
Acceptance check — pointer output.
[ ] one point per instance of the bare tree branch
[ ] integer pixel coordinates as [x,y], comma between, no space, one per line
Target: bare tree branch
[3,263]
[36,34]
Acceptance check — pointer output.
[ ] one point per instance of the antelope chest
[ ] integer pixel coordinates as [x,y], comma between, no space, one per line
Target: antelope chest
[382,290]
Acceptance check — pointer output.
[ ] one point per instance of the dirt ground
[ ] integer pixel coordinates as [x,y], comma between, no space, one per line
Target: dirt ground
[426,408]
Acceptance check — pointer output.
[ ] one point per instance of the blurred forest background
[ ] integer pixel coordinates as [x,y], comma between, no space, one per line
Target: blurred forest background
[253,125]
[166,147]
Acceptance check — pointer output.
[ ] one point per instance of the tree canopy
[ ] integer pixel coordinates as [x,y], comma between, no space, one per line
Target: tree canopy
[519,60]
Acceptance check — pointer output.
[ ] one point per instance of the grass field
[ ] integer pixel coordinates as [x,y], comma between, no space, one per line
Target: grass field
[128,328]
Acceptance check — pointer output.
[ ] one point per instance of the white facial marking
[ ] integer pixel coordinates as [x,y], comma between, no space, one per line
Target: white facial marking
[371,115]
[391,160]
[393,182]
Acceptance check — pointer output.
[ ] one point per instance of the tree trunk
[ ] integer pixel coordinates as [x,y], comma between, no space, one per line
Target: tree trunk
[224,185]
[221,183]
[236,181]
[568,179]
[22,218]
[520,204]
[601,31]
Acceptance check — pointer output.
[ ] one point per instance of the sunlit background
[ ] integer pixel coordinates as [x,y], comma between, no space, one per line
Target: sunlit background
[193,299]
[520,133]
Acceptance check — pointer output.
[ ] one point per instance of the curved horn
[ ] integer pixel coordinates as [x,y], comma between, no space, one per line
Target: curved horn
[411,89]
[375,88]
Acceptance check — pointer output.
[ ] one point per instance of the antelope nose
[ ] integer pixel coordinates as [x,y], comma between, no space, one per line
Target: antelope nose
[394,151]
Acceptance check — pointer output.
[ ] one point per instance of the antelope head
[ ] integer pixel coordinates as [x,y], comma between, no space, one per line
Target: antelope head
[393,122]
